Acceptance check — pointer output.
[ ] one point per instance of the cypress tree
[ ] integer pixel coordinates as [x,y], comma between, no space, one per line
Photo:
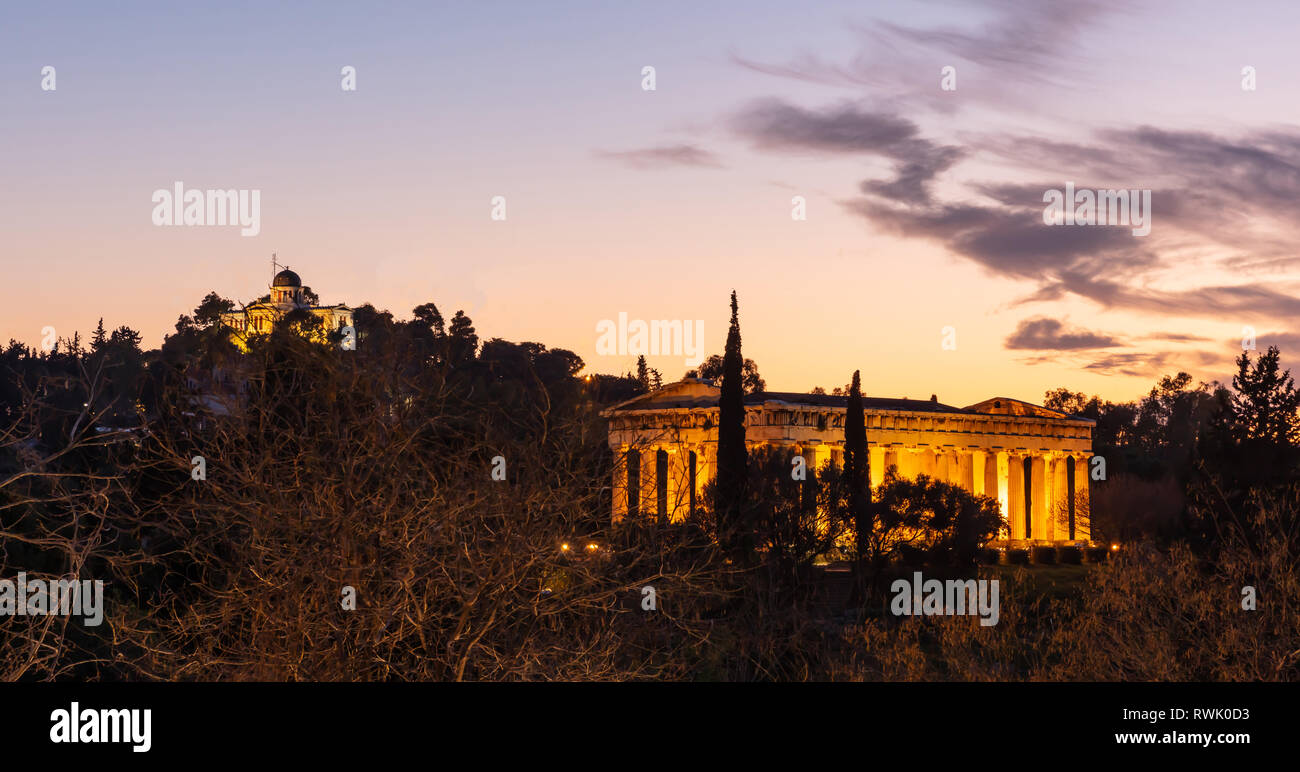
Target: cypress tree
[733,459]
[856,465]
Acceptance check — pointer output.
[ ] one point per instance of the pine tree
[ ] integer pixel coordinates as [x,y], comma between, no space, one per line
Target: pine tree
[125,338]
[857,466]
[642,373]
[1265,404]
[100,338]
[733,459]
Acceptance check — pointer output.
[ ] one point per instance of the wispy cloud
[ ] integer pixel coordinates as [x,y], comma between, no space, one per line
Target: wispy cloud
[1222,205]
[1020,42]
[1177,337]
[851,129]
[1213,199]
[1148,364]
[664,156]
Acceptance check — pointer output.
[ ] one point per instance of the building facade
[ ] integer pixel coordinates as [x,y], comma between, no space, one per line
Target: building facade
[1033,460]
[286,296]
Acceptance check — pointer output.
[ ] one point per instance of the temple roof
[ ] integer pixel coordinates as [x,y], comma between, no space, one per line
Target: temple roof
[831,400]
[702,393]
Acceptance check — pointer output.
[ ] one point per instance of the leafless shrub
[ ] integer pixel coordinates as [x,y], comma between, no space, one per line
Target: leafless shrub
[1127,508]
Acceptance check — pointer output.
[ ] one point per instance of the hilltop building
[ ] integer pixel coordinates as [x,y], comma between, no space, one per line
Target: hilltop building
[286,295]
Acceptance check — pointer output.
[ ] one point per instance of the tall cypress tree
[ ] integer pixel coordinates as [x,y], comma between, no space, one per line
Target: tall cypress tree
[733,459]
[857,465]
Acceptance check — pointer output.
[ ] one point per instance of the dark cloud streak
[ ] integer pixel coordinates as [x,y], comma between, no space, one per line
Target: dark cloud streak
[661,157]
[1044,334]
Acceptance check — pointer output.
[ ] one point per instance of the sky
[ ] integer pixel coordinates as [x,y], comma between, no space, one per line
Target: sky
[924,260]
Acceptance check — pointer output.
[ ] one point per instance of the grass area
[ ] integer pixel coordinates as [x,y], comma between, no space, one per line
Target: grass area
[1052,581]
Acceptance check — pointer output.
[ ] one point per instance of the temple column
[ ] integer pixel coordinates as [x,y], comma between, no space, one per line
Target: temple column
[644,485]
[943,465]
[679,493]
[1016,495]
[909,462]
[694,486]
[891,459]
[818,454]
[658,497]
[1002,483]
[966,470]
[991,478]
[809,454]
[926,462]
[1082,500]
[1038,471]
[1061,496]
[1049,491]
[620,483]
[807,487]
[670,501]
[821,455]
[706,465]
[876,459]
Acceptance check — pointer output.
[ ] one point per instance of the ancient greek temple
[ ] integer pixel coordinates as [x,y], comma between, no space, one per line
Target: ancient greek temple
[1032,459]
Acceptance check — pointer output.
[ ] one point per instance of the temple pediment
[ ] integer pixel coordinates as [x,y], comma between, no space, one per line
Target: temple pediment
[686,393]
[1008,406]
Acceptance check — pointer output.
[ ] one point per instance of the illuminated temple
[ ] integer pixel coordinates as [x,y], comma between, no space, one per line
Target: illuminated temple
[1032,459]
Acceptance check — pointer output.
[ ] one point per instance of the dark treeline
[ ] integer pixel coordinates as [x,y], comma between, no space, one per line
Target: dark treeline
[1184,452]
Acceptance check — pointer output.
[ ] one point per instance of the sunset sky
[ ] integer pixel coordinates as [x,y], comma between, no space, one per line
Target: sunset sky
[924,206]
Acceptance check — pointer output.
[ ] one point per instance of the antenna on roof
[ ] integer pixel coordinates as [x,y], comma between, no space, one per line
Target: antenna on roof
[274,266]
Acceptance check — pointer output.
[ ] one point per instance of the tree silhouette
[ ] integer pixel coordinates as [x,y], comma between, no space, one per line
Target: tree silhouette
[732,455]
[941,521]
[209,311]
[712,367]
[464,342]
[429,316]
[642,373]
[1265,403]
[100,338]
[856,465]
